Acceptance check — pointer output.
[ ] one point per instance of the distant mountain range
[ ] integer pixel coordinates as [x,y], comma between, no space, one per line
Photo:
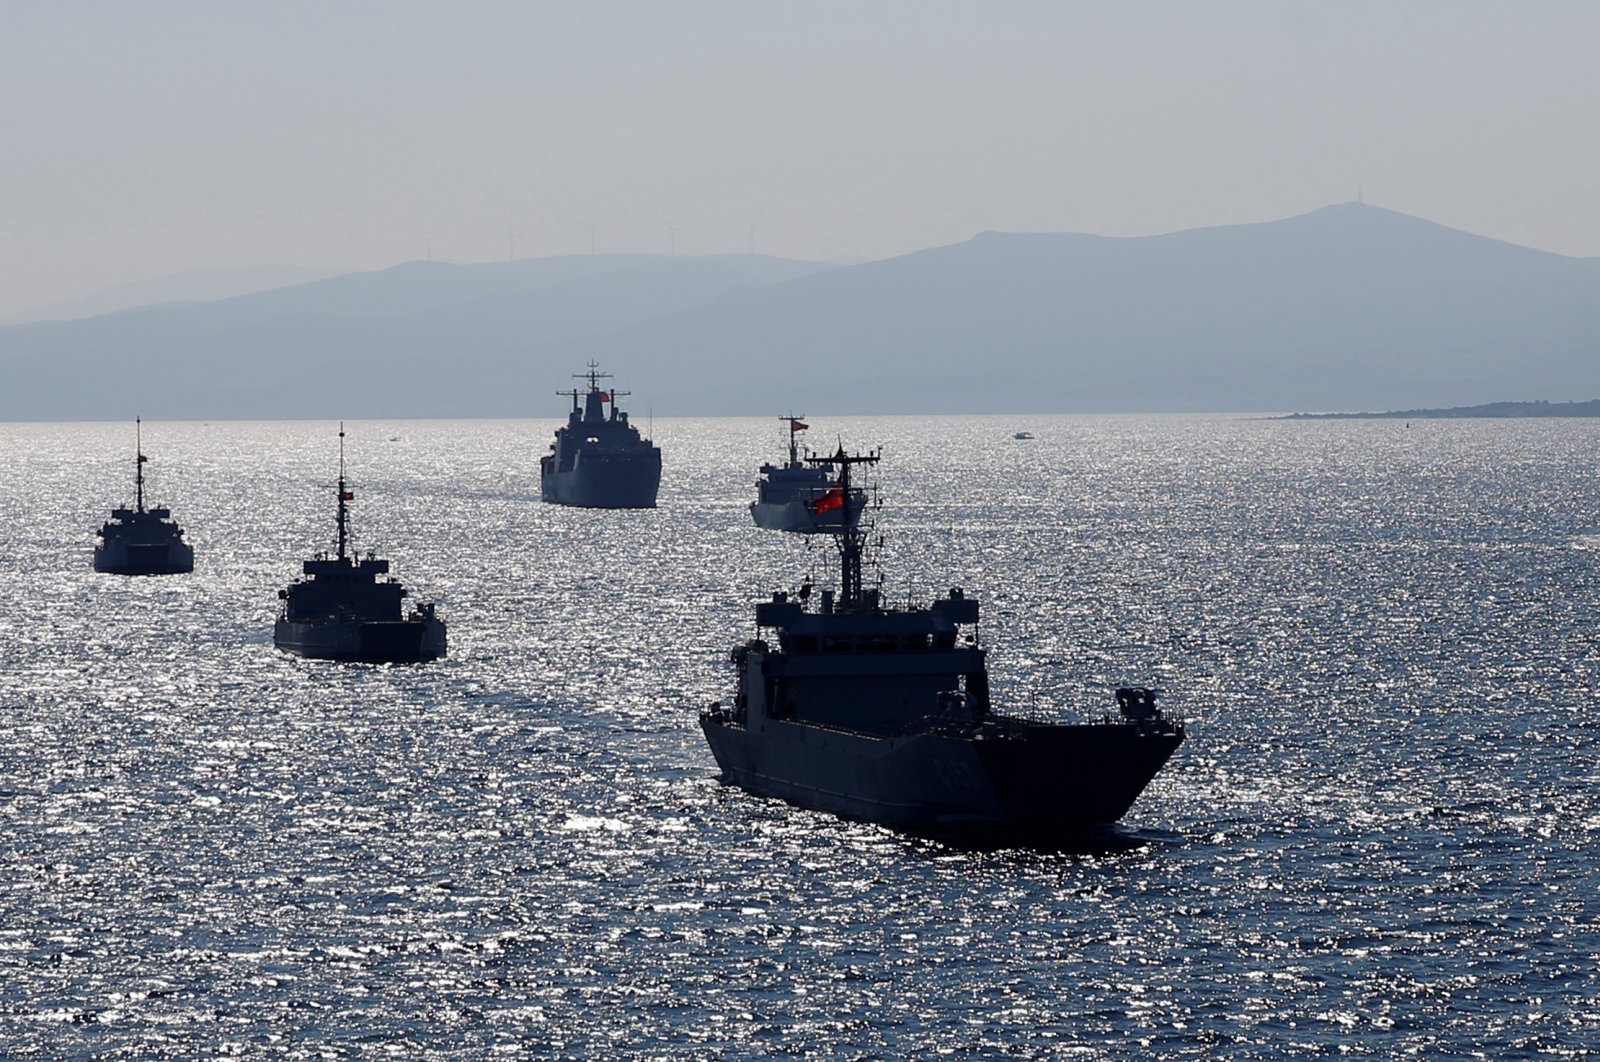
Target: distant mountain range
[1348,307]
[1488,409]
[193,285]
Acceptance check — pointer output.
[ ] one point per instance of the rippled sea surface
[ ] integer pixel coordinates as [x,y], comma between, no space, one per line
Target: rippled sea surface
[1379,840]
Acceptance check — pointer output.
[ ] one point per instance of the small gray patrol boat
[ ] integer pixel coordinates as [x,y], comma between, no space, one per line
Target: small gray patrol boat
[801,496]
[341,611]
[599,460]
[142,541]
[883,715]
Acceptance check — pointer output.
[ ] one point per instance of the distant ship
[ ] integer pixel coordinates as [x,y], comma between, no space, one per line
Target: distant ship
[883,714]
[801,496]
[598,460]
[142,541]
[341,611]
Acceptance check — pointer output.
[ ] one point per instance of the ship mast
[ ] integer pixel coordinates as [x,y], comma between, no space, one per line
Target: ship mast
[594,376]
[849,538]
[138,464]
[796,426]
[344,496]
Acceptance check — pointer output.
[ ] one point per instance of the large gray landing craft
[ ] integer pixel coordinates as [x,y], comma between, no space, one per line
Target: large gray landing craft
[801,496]
[342,612]
[598,459]
[142,541]
[883,714]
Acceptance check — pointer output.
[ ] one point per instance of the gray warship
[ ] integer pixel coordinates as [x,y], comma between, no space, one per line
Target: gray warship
[883,715]
[801,496]
[142,541]
[598,459]
[341,611]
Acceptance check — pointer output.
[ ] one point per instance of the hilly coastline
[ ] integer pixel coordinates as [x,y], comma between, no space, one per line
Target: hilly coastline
[1348,307]
[195,285]
[1541,408]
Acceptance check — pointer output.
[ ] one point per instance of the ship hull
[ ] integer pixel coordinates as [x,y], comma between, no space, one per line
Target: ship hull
[158,558]
[605,484]
[1037,784]
[796,516]
[375,642]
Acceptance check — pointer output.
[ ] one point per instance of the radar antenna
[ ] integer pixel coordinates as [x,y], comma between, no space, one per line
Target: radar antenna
[594,376]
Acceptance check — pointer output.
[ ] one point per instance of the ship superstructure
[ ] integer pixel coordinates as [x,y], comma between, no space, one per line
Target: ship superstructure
[802,496]
[140,541]
[342,610]
[598,459]
[884,715]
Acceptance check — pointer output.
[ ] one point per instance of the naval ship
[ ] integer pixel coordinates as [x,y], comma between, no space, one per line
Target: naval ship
[342,611]
[598,459]
[142,541]
[799,496]
[883,714]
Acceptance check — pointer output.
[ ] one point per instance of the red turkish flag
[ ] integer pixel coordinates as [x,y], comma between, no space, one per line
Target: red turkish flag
[826,503]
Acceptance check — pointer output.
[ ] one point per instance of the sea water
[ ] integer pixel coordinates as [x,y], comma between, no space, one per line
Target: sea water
[1378,840]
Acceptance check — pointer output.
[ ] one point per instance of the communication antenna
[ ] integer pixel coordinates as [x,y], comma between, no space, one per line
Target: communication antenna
[345,495]
[138,462]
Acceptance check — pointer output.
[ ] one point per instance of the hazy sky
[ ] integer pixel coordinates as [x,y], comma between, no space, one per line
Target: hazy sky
[146,137]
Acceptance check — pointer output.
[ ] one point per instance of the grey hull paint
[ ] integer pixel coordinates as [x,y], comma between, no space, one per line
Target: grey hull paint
[1040,782]
[161,558]
[396,641]
[630,484]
